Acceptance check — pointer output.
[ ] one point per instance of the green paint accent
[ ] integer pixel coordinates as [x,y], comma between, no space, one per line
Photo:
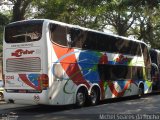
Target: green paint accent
[144,73]
[94,68]
[149,84]
[64,90]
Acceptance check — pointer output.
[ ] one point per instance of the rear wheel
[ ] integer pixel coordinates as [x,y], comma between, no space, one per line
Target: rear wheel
[94,96]
[1,96]
[81,97]
[141,90]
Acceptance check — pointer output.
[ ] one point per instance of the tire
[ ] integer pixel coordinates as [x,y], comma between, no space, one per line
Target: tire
[141,91]
[81,97]
[94,96]
[1,96]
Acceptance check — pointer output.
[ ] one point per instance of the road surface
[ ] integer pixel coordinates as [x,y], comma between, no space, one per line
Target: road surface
[147,107]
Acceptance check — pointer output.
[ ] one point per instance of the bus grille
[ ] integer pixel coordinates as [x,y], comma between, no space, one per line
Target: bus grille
[23,65]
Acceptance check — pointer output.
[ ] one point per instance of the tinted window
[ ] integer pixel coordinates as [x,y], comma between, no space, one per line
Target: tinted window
[119,45]
[26,31]
[114,72]
[158,59]
[137,73]
[105,43]
[96,41]
[90,41]
[146,55]
[93,41]
[119,72]
[78,37]
[154,56]
[135,48]
[59,34]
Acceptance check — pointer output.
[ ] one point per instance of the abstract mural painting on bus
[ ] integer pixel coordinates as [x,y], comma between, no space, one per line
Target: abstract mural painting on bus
[85,69]
[33,80]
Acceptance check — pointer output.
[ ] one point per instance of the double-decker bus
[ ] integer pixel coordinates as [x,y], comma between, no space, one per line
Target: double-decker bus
[54,63]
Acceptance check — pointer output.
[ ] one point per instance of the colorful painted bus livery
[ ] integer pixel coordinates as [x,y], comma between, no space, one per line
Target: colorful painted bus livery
[49,62]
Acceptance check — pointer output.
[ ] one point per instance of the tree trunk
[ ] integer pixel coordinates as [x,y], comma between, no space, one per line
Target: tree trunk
[19,9]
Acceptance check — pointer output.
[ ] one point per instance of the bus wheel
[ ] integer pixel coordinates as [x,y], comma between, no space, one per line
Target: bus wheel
[94,96]
[1,96]
[141,90]
[81,97]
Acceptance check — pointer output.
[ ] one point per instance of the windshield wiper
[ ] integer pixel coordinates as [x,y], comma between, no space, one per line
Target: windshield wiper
[33,35]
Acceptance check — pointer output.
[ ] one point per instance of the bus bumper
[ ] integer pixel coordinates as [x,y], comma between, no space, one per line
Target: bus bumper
[27,98]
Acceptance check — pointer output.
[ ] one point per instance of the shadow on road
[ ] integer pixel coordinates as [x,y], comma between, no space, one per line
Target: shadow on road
[39,111]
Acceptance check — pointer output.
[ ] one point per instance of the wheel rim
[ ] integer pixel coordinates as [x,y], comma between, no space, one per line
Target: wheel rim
[1,96]
[93,96]
[140,92]
[80,98]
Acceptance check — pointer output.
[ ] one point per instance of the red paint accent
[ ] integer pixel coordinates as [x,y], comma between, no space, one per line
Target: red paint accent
[121,59]
[103,59]
[115,92]
[20,52]
[101,84]
[70,65]
[24,78]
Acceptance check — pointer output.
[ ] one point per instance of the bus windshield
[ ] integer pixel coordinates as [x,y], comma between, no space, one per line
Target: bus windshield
[23,32]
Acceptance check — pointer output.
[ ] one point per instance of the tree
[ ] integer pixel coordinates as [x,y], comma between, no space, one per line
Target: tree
[3,21]
[19,9]
[139,18]
[82,12]
[146,26]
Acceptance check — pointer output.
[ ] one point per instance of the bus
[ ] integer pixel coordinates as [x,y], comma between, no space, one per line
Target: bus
[155,74]
[54,63]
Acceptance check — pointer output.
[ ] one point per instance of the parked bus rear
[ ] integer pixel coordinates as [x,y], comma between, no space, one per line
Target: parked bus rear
[25,62]
[49,62]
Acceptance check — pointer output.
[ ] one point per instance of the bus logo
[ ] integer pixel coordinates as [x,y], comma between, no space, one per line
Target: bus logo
[20,52]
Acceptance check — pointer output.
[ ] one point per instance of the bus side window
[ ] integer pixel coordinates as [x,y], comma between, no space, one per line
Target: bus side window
[147,61]
[137,73]
[78,37]
[146,56]
[90,41]
[158,60]
[104,72]
[114,72]
[58,34]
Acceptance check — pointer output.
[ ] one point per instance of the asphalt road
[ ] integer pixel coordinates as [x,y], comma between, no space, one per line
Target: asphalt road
[131,108]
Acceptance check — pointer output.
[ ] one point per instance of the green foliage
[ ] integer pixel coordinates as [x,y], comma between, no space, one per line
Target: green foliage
[139,18]
[83,13]
[3,21]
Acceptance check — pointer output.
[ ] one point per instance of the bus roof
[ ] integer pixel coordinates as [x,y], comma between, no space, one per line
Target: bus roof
[156,50]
